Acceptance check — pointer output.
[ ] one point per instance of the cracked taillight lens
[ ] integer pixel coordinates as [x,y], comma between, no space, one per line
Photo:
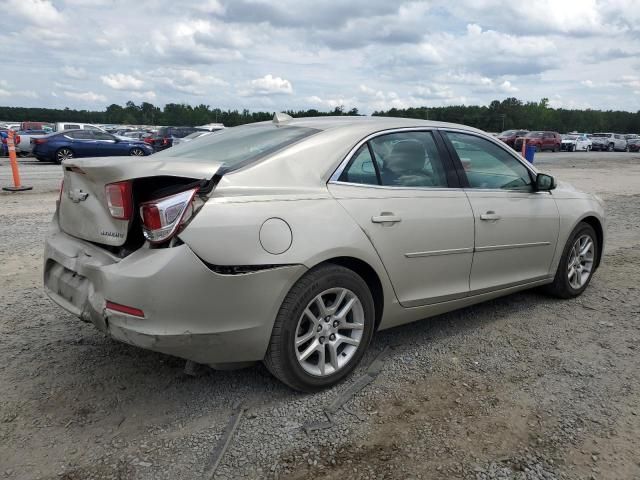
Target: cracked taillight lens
[165,217]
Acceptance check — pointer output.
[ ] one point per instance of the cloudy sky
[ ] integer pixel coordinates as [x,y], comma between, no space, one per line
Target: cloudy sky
[273,55]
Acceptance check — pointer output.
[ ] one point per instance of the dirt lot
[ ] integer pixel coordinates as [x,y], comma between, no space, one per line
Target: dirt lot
[521,387]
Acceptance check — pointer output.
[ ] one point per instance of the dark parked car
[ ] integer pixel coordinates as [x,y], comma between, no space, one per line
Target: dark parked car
[509,136]
[541,140]
[165,136]
[633,144]
[85,143]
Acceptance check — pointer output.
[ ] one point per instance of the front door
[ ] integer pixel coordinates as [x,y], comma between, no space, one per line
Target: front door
[397,188]
[516,228]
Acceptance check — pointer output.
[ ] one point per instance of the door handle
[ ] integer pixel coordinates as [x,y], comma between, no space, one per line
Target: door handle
[490,216]
[386,217]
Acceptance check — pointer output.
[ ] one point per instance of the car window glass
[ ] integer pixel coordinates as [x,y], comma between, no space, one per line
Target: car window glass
[487,165]
[80,135]
[102,136]
[91,127]
[69,126]
[409,159]
[361,168]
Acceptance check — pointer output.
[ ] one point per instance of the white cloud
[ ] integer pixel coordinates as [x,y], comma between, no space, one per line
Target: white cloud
[268,85]
[121,81]
[78,73]
[37,12]
[89,97]
[147,96]
[186,80]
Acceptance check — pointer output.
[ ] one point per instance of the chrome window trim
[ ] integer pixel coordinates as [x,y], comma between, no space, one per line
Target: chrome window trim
[393,188]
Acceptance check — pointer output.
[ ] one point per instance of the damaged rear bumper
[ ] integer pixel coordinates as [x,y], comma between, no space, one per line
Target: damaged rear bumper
[189,310]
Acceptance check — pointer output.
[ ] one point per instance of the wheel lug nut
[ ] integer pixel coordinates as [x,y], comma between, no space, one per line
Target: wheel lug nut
[332,337]
[327,319]
[335,324]
[321,340]
[319,328]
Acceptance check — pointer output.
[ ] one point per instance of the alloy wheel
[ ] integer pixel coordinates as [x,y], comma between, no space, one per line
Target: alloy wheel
[137,152]
[64,154]
[329,332]
[581,258]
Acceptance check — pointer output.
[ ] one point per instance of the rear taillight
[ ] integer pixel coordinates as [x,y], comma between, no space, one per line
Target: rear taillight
[165,217]
[120,200]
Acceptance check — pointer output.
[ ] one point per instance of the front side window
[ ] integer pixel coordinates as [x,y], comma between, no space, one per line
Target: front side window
[98,135]
[489,166]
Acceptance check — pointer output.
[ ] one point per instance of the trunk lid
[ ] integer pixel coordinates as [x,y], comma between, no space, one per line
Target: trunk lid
[83,210]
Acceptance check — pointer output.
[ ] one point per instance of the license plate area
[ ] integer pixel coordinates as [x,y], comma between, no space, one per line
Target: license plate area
[68,288]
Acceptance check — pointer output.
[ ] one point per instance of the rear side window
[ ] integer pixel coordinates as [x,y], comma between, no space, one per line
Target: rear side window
[80,135]
[403,159]
[489,166]
[239,146]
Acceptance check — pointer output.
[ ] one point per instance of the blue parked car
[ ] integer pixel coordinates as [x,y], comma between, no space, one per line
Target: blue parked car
[60,146]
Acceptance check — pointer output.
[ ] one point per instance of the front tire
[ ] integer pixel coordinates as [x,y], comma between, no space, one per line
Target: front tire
[322,330]
[578,262]
[137,152]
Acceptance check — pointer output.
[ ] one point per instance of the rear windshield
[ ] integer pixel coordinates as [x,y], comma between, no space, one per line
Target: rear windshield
[239,146]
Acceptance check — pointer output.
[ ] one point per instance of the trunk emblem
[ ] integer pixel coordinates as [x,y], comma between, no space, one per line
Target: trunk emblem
[77,195]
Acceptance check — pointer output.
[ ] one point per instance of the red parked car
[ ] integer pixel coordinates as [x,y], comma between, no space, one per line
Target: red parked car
[509,136]
[541,140]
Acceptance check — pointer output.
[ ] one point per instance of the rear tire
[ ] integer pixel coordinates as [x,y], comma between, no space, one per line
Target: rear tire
[305,324]
[564,284]
[610,147]
[63,154]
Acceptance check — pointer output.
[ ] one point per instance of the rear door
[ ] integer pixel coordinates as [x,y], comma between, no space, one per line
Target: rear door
[400,188]
[82,142]
[516,228]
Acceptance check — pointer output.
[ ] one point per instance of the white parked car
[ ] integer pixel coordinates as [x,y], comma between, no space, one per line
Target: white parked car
[292,242]
[576,142]
[609,142]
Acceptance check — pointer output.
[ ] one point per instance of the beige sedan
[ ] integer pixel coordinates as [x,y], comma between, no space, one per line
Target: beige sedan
[292,242]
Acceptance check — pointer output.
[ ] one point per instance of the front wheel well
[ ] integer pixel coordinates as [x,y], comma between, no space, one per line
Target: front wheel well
[370,277]
[597,226]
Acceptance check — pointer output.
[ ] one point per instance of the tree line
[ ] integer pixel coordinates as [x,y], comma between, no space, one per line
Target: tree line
[497,116]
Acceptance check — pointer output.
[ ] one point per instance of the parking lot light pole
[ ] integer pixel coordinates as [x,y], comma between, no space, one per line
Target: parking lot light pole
[17,186]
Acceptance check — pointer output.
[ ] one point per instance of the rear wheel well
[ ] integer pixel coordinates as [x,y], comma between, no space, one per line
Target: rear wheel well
[597,226]
[370,277]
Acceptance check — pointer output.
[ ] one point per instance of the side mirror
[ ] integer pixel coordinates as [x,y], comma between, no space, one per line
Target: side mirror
[545,183]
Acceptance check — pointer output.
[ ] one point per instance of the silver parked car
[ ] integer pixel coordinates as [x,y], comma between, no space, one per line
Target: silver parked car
[293,241]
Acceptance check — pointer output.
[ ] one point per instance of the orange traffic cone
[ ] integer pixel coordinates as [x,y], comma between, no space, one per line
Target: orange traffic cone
[17,187]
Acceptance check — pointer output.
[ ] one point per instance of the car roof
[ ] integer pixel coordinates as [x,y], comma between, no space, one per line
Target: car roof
[374,122]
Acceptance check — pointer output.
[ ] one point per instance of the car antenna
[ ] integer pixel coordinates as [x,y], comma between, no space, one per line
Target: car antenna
[280,117]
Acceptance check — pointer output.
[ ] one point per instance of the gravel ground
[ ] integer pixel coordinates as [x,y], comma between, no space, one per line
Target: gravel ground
[524,387]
